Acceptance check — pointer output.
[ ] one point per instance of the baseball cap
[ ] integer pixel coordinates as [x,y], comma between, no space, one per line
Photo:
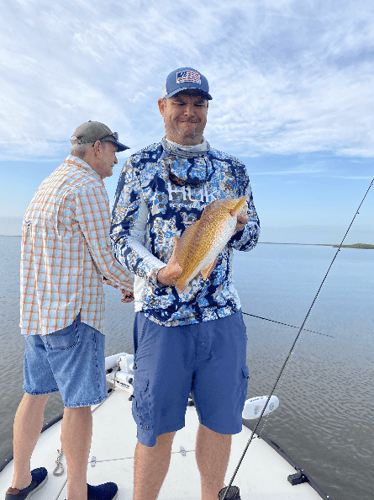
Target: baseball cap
[95,131]
[185,79]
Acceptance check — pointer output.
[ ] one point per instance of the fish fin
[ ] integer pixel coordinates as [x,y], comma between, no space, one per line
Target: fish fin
[238,207]
[205,273]
[183,245]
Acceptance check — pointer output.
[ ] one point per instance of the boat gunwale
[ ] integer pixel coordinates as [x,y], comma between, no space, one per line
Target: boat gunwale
[245,422]
[317,488]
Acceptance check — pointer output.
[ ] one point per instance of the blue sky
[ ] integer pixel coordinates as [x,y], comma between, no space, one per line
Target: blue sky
[292,85]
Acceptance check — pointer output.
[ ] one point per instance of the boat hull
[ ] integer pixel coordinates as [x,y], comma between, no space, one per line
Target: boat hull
[262,476]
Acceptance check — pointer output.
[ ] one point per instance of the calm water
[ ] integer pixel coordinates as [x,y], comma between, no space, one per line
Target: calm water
[325,418]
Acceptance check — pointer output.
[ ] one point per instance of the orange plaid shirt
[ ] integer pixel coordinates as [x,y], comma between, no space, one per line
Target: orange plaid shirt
[66,252]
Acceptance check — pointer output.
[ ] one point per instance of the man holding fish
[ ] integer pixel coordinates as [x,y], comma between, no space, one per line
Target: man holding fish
[181,207]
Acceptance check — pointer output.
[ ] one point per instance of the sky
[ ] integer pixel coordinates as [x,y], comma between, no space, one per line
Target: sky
[292,85]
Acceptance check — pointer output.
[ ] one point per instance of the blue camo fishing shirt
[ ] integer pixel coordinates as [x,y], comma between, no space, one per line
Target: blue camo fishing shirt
[160,194]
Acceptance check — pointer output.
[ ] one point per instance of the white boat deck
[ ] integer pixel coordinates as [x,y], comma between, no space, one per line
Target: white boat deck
[262,476]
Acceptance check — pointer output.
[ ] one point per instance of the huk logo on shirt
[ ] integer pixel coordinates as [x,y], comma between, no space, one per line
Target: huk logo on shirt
[200,195]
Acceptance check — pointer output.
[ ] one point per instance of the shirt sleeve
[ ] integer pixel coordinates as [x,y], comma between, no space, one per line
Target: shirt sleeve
[93,217]
[246,239]
[129,221]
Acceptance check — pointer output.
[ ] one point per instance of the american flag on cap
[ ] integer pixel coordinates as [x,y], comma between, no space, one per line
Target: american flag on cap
[185,78]
[188,76]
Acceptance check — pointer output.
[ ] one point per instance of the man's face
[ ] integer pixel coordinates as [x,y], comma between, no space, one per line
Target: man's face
[107,159]
[185,115]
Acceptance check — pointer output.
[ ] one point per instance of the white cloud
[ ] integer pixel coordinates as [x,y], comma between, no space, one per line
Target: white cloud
[286,76]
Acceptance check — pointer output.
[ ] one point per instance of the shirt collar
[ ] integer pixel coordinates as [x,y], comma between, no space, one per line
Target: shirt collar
[185,151]
[78,162]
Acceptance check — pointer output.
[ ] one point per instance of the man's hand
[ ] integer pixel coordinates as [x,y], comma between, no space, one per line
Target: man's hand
[127,295]
[169,274]
[241,221]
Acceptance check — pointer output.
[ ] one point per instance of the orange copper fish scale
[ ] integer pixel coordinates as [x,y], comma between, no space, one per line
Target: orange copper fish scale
[201,243]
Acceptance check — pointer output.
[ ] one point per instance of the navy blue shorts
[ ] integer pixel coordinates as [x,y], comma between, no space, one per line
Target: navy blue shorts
[71,360]
[207,359]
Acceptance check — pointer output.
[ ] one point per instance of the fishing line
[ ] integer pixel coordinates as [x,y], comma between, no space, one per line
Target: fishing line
[227,488]
[285,324]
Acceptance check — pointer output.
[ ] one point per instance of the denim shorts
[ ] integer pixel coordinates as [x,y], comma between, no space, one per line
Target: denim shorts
[71,360]
[205,359]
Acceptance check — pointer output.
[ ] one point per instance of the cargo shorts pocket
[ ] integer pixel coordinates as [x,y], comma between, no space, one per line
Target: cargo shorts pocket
[141,404]
[244,385]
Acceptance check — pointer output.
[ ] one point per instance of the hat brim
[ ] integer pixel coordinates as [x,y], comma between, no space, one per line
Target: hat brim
[120,146]
[205,94]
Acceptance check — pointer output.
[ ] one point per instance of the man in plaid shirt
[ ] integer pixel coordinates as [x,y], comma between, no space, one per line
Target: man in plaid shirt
[66,257]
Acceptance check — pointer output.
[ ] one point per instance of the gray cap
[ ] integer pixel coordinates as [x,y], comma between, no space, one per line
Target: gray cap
[96,131]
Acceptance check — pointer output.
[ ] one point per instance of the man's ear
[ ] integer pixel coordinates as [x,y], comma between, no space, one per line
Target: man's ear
[161,106]
[97,147]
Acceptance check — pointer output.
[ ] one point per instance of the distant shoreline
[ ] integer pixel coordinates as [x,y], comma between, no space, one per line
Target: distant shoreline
[365,246]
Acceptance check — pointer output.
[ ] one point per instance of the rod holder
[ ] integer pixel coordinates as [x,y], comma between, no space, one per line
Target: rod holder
[298,478]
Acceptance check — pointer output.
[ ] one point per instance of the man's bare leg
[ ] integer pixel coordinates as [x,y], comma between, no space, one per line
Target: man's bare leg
[212,456]
[28,424]
[76,434]
[151,466]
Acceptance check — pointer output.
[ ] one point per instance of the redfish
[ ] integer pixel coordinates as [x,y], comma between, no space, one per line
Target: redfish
[201,242]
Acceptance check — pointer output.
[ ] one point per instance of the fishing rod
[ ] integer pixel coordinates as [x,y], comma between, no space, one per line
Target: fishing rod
[230,492]
[285,324]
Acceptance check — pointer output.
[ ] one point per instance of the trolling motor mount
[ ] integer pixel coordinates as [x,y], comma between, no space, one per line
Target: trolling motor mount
[232,494]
